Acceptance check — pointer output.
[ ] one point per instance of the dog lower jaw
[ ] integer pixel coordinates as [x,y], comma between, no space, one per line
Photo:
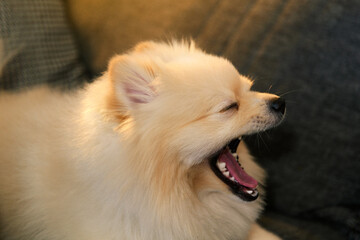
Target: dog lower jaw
[241,184]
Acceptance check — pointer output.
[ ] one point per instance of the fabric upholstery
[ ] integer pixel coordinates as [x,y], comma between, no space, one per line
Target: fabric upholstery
[37,46]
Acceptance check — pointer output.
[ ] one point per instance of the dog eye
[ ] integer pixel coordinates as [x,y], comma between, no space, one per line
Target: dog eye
[234,105]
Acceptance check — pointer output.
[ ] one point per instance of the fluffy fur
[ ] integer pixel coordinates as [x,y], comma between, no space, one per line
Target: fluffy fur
[128,157]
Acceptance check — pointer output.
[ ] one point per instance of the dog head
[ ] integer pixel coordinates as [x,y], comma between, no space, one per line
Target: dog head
[188,107]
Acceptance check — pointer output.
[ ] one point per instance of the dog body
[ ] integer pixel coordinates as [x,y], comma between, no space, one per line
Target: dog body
[130,157]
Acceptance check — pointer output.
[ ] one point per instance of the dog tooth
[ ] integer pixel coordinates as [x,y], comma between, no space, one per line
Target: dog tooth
[250,191]
[235,155]
[240,138]
[232,178]
[226,173]
[221,165]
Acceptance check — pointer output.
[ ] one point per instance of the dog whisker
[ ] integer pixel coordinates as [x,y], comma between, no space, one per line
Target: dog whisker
[289,92]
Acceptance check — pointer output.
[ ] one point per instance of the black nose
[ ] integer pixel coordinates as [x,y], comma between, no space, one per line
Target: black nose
[278,105]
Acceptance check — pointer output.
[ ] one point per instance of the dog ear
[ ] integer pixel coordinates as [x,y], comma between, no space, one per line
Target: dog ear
[133,79]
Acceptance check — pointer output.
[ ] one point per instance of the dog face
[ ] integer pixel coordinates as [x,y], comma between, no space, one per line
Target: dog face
[192,105]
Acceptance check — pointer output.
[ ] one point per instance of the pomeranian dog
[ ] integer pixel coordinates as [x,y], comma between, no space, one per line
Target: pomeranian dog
[152,150]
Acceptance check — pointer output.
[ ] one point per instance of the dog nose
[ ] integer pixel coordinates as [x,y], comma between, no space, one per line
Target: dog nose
[278,105]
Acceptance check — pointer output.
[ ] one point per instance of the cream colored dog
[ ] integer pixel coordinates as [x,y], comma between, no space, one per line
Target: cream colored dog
[147,152]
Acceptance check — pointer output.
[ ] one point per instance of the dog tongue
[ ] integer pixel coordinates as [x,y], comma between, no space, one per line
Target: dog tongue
[236,170]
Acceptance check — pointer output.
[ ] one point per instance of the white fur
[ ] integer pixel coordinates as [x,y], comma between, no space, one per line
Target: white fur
[97,164]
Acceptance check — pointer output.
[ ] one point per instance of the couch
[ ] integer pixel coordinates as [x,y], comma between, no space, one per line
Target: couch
[306,51]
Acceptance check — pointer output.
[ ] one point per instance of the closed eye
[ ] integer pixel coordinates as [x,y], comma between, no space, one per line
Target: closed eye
[232,106]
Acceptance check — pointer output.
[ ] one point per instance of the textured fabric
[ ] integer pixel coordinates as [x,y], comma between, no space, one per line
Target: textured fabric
[310,52]
[36,45]
[108,27]
[295,228]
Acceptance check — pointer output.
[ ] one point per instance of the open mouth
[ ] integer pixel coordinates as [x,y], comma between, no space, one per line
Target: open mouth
[225,164]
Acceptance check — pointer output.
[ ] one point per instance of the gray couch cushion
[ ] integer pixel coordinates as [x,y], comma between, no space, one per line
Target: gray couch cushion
[309,51]
[36,45]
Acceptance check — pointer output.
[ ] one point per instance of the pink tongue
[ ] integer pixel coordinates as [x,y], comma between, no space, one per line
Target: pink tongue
[236,171]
